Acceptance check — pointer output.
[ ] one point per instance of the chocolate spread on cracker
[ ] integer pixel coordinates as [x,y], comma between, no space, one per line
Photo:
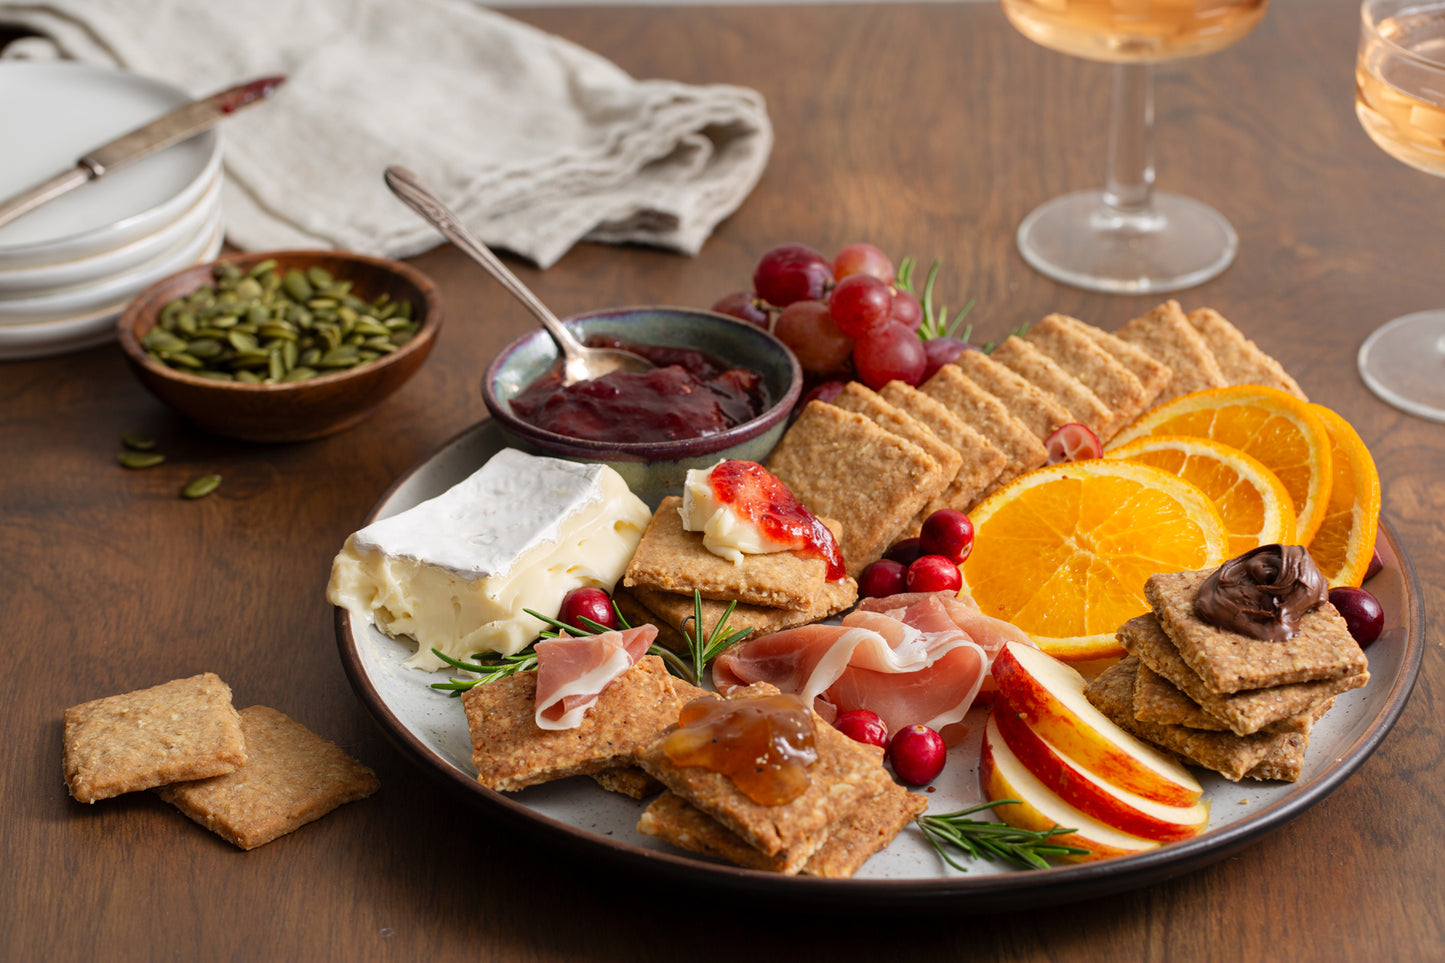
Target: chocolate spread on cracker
[1262,593]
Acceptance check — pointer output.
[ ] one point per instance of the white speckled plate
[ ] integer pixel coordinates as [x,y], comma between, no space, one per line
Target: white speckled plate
[430,727]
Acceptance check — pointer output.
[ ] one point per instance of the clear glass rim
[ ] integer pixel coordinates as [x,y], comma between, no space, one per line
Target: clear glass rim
[1371,12]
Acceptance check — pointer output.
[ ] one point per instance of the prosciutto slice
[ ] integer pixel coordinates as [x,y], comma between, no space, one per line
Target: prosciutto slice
[915,658]
[572,672]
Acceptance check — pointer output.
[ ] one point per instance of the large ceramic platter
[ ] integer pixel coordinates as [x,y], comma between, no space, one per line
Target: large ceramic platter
[575,813]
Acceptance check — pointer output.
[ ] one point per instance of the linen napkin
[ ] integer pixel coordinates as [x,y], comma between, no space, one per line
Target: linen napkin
[535,142]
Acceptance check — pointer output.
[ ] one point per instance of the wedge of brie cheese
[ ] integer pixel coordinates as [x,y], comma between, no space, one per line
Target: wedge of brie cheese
[455,572]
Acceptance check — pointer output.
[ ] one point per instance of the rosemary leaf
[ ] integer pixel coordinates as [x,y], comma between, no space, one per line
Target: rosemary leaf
[990,840]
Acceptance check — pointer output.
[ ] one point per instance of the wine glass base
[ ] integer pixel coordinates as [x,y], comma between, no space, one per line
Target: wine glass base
[1403,362]
[1077,239]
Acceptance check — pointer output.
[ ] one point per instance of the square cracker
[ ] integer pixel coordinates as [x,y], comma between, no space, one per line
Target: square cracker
[860,399]
[673,609]
[1233,757]
[1166,334]
[1241,360]
[183,729]
[1230,662]
[1025,359]
[632,609]
[628,781]
[987,415]
[842,465]
[511,753]
[291,777]
[981,460]
[1243,712]
[1152,374]
[671,559]
[1026,401]
[1107,377]
[844,774]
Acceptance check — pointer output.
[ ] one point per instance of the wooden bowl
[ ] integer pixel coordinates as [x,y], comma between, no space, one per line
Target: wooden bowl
[294,411]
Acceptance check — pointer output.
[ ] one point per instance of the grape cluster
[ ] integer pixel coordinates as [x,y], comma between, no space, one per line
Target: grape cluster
[853,317]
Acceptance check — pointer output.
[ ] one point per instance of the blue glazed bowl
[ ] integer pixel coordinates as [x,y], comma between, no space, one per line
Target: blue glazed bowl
[653,470]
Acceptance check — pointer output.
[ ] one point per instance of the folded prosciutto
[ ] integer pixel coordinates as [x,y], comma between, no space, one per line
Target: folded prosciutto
[572,672]
[914,658]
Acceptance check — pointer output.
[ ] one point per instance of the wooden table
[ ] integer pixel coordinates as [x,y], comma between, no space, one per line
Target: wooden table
[928,130]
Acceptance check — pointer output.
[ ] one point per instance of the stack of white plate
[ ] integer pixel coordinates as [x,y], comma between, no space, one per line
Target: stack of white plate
[69,268]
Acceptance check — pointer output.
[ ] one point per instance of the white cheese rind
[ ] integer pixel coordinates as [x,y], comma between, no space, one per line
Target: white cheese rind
[455,572]
[725,533]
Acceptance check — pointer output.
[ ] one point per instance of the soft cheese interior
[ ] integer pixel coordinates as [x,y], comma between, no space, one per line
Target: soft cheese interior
[725,533]
[455,572]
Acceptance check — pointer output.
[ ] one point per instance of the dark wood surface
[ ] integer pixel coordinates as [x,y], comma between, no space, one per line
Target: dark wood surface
[928,130]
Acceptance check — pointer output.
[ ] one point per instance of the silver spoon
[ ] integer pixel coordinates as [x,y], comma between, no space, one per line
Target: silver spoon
[579,362]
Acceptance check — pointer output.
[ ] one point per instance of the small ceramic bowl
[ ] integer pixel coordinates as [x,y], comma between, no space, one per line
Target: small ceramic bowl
[653,470]
[294,411]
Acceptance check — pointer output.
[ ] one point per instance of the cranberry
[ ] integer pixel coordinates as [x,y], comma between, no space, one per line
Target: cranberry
[1073,442]
[881,579]
[863,726]
[587,603]
[1362,613]
[1376,563]
[934,573]
[906,551]
[947,532]
[917,754]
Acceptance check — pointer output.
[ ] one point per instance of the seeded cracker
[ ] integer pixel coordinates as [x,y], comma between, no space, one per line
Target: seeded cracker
[184,729]
[1026,360]
[671,559]
[628,781]
[1153,375]
[1241,360]
[632,609]
[841,465]
[1229,662]
[672,609]
[987,415]
[1078,354]
[1027,402]
[291,777]
[1166,334]
[861,399]
[981,461]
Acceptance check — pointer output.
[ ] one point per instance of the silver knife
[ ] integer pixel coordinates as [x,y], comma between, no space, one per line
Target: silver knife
[172,128]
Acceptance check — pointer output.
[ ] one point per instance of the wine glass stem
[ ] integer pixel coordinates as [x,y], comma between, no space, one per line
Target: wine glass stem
[1129,189]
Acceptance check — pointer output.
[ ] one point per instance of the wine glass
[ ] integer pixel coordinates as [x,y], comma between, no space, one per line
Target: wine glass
[1400,100]
[1127,238]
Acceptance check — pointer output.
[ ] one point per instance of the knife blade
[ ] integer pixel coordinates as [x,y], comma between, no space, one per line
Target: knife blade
[171,128]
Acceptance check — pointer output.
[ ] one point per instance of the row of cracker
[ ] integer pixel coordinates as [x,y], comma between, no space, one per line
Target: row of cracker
[248,776]
[883,461]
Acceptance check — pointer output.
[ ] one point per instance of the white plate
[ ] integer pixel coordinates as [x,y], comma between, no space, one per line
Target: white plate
[60,111]
[432,729]
[63,335]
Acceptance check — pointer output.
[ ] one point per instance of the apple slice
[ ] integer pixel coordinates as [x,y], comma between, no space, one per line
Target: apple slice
[1089,794]
[1039,809]
[1049,695]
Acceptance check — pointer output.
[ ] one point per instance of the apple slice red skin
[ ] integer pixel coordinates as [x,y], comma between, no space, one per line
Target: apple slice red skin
[1059,775]
[1056,722]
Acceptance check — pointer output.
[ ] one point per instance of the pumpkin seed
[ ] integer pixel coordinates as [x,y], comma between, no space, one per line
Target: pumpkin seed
[136,441]
[140,459]
[201,487]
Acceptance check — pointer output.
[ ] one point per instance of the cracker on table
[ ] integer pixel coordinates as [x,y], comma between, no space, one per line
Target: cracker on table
[1154,375]
[844,774]
[671,559]
[183,729]
[988,416]
[1107,377]
[1233,757]
[1026,360]
[291,777]
[860,399]
[510,752]
[1166,334]
[1240,359]
[1025,401]
[1244,712]
[672,609]
[842,465]
[1231,662]
[981,463]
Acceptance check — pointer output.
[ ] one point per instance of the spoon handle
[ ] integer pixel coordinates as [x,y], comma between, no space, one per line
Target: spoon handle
[405,185]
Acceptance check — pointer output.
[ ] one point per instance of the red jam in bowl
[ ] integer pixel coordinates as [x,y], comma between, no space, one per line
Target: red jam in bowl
[690,394]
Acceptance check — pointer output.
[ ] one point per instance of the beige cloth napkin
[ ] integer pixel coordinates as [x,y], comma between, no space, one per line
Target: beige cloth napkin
[534,141]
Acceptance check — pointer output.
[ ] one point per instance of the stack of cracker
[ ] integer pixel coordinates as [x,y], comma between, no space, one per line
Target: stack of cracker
[1226,701]
[851,809]
[774,591]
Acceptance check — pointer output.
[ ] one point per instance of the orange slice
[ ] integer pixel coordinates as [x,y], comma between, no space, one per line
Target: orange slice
[1276,428]
[1062,552]
[1343,545]
[1253,503]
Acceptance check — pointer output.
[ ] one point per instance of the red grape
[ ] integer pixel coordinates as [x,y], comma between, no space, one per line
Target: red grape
[743,306]
[807,328]
[792,272]
[859,305]
[863,726]
[1361,611]
[890,353]
[882,578]
[906,310]
[942,351]
[1073,442]
[905,551]
[917,754]
[863,259]
[587,603]
[947,532]
[933,573]
[824,392]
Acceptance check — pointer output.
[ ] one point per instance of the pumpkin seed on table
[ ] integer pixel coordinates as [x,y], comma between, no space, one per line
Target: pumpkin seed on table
[140,459]
[260,326]
[201,487]
[136,441]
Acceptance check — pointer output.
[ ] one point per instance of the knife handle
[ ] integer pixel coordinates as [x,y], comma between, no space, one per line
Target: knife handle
[29,200]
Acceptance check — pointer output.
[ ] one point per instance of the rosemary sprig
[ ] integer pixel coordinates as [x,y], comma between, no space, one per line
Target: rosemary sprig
[935,324]
[703,649]
[489,670]
[990,840]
